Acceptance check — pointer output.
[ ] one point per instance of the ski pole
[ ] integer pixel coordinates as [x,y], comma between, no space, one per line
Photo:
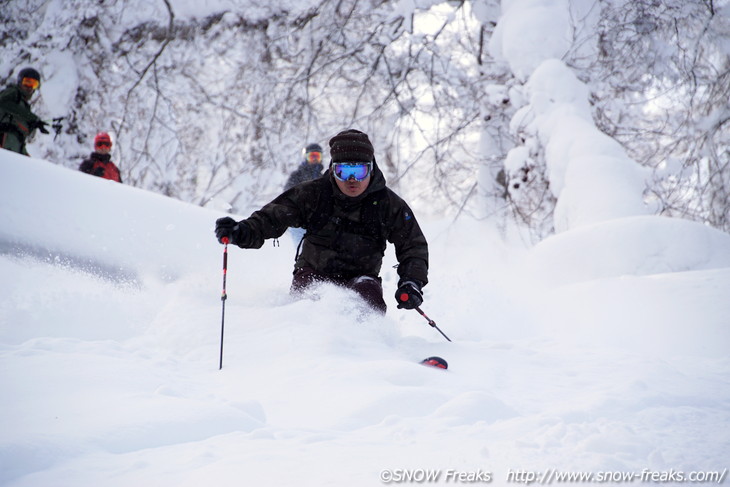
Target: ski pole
[431,322]
[224,296]
[57,126]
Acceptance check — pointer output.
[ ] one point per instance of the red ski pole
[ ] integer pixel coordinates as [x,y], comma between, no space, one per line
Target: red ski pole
[224,296]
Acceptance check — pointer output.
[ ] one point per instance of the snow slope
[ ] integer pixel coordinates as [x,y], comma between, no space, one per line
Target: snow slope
[602,349]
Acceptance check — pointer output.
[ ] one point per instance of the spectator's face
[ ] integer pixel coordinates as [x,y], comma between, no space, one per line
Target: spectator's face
[103,148]
[314,157]
[28,86]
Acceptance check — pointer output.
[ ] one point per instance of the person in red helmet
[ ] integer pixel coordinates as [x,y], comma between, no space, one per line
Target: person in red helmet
[99,162]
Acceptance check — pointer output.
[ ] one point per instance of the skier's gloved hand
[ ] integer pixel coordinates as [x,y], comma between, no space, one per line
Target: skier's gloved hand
[40,125]
[99,171]
[229,228]
[409,295]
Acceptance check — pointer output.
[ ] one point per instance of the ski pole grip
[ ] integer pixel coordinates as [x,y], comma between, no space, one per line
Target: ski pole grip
[224,240]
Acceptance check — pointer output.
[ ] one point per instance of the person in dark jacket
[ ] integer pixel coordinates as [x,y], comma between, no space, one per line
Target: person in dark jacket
[308,169]
[99,162]
[349,214]
[17,121]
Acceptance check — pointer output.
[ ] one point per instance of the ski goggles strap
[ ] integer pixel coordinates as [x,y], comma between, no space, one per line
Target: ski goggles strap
[356,170]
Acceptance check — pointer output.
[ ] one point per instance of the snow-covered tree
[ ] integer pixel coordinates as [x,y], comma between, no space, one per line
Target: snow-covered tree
[661,85]
[212,103]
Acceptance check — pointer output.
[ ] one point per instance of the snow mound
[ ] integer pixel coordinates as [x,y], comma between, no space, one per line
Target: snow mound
[636,246]
[98,225]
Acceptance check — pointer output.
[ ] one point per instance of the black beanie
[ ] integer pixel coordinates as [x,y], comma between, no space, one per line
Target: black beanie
[351,146]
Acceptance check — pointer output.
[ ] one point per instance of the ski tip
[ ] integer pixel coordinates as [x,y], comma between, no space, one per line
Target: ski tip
[437,362]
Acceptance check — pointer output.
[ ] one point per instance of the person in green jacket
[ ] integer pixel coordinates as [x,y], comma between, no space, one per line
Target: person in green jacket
[17,121]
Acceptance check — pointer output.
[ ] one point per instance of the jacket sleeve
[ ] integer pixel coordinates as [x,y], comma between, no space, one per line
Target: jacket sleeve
[289,182]
[294,179]
[411,248]
[86,166]
[7,104]
[271,221]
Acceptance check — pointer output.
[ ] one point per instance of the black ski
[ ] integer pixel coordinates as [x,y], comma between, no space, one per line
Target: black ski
[437,362]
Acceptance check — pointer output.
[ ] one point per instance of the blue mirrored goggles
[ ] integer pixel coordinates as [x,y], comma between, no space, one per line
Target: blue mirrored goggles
[356,170]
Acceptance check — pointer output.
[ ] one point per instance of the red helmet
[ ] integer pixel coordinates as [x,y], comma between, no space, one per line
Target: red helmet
[103,139]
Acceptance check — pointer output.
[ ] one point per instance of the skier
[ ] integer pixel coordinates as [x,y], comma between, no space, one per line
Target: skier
[99,162]
[17,121]
[348,213]
[308,169]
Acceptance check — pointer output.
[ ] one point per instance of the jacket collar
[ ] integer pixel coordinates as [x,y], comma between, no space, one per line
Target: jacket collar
[101,157]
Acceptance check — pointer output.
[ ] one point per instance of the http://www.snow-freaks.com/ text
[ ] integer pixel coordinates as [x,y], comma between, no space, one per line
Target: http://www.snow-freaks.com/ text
[549,476]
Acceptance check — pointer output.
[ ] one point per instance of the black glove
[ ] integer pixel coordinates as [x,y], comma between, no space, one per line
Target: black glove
[99,171]
[229,228]
[409,294]
[40,125]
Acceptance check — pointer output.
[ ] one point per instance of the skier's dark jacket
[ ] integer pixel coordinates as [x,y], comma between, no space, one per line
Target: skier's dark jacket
[305,172]
[17,121]
[102,166]
[338,242]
